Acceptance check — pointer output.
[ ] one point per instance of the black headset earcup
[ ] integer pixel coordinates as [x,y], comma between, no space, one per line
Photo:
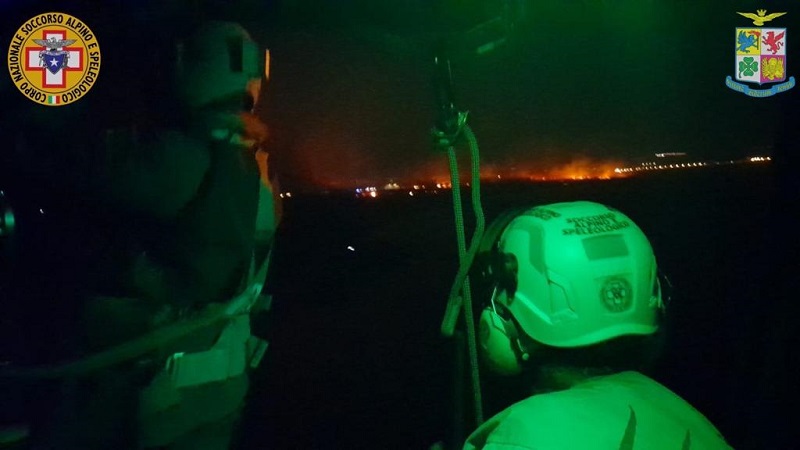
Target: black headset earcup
[504,268]
[498,336]
[488,262]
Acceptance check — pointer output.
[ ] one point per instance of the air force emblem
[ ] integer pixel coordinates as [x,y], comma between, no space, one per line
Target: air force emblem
[760,57]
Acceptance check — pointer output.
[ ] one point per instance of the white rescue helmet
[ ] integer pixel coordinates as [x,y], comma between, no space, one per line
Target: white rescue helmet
[585,273]
[218,64]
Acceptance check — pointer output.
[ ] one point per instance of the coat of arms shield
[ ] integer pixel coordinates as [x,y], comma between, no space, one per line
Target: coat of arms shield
[760,58]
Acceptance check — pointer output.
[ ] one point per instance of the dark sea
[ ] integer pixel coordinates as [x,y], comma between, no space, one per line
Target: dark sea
[360,286]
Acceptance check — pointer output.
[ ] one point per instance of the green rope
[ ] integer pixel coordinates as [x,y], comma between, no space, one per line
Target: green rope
[480,224]
[465,258]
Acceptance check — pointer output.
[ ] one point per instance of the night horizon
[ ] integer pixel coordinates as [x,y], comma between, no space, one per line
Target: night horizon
[529,105]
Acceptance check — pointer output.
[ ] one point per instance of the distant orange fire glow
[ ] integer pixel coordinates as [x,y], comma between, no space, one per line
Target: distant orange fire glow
[435,174]
[578,169]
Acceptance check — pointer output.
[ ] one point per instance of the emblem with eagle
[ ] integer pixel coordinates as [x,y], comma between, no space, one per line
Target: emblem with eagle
[54,58]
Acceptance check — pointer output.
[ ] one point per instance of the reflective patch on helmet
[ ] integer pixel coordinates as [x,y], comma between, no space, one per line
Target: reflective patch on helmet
[616,294]
[607,246]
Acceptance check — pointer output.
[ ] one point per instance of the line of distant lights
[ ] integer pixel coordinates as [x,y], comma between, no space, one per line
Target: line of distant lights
[370,191]
[374,192]
[656,166]
[660,166]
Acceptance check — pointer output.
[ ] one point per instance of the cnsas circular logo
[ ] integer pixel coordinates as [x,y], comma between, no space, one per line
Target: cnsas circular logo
[54,59]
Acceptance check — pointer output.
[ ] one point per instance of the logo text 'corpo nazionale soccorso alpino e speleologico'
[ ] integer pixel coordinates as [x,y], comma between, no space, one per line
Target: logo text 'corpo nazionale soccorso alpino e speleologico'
[54,59]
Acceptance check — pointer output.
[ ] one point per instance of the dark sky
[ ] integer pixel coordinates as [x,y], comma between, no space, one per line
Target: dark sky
[351,96]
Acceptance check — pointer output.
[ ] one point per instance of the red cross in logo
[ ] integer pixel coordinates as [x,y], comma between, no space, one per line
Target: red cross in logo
[49,79]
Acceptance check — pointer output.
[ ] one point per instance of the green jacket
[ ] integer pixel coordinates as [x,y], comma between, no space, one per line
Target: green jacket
[625,411]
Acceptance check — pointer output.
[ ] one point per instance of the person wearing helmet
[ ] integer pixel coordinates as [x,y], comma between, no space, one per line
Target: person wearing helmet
[228,226]
[577,307]
[186,213]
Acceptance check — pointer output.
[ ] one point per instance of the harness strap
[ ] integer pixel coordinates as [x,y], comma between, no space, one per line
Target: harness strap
[232,354]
